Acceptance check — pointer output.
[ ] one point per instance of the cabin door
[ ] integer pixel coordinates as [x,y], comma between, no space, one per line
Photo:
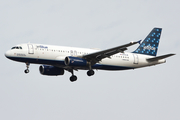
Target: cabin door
[30,49]
[136,60]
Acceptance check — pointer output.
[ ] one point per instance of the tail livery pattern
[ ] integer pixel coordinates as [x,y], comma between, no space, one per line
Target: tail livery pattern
[150,44]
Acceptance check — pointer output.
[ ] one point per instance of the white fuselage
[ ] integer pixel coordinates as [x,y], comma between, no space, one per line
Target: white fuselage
[55,55]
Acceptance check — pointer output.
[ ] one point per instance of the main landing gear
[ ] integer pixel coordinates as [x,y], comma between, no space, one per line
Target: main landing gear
[73,77]
[90,72]
[27,66]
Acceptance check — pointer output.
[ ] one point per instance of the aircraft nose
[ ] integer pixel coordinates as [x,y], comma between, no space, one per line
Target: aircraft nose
[7,54]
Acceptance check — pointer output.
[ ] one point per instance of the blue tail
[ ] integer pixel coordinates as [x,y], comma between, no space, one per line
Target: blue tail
[150,44]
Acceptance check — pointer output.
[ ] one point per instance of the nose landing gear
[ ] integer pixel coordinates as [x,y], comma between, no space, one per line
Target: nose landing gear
[26,71]
[27,66]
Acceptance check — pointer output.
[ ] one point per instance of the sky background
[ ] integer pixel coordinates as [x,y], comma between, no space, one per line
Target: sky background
[151,93]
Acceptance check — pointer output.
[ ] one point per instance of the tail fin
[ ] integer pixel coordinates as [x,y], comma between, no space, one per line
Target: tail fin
[150,44]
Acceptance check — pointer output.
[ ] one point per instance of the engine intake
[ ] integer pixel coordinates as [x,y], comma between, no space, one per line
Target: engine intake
[50,70]
[75,61]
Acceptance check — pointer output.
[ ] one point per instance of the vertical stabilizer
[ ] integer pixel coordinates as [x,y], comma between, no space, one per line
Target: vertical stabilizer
[150,44]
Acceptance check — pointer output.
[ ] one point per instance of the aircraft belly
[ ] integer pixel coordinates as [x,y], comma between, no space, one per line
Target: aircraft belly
[114,64]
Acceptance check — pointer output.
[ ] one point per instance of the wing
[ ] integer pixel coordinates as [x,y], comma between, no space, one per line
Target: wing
[98,56]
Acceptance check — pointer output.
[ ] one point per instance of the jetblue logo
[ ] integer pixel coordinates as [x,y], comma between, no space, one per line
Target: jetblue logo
[149,48]
[40,46]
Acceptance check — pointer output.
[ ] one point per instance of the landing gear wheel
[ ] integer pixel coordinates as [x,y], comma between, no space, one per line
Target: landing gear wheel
[90,72]
[26,71]
[73,78]
[27,66]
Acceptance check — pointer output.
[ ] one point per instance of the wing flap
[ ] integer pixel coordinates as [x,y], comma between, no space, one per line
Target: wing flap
[159,57]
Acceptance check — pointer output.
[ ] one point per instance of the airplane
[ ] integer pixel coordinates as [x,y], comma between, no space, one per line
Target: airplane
[55,60]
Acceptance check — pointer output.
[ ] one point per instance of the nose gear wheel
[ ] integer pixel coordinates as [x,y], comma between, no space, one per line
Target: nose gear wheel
[27,66]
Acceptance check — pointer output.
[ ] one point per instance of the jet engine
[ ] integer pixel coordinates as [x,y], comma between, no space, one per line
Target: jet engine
[75,61]
[51,70]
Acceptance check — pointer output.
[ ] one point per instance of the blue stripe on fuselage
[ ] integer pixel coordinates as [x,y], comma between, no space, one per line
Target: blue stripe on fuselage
[61,63]
[37,61]
[110,67]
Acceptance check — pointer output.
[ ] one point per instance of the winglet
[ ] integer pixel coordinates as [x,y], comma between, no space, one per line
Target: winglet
[139,41]
[132,42]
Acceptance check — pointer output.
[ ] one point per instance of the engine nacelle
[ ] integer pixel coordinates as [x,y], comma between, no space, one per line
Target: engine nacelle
[50,70]
[75,61]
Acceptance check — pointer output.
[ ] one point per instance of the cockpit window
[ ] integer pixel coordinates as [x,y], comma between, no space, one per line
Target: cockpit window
[17,47]
[13,47]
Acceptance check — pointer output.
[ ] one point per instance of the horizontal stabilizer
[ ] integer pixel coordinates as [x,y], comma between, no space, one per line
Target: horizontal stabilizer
[159,57]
